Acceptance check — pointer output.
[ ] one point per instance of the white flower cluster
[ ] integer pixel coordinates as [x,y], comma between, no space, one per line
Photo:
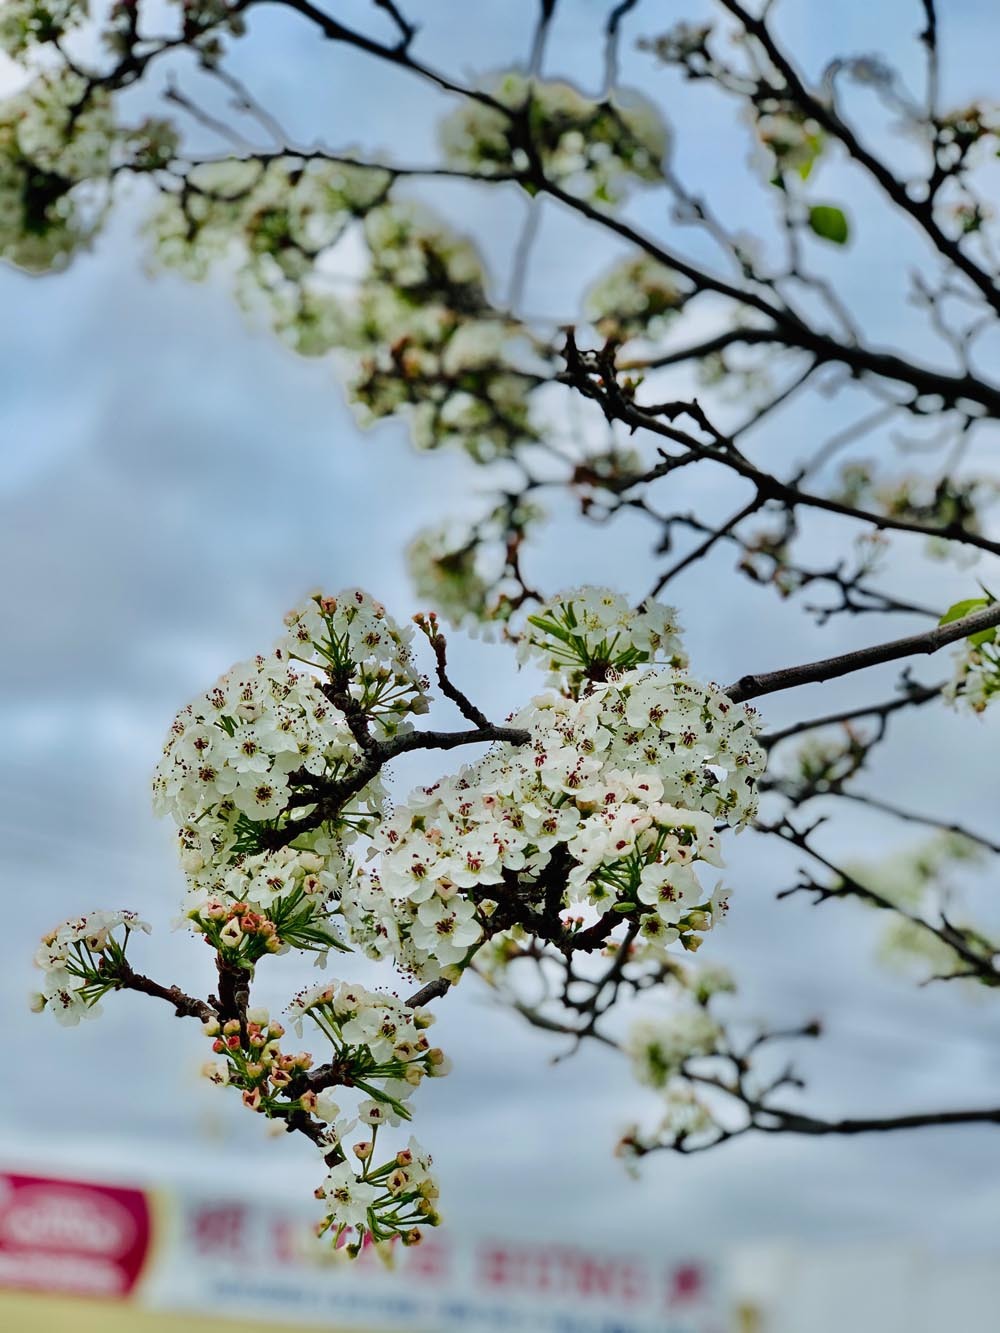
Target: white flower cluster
[586,633]
[54,134]
[254,755]
[664,1051]
[616,795]
[234,750]
[413,251]
[268,903]
[64,127]
[381,1041]
[685,1115]
[392,1200]
[60,149]
[366,655]
[28,23]
[380,1050]
[80,960]
[445,566]
[593,149]
[658,1047]
[421,334]
[927,882]
[267,734]
[255,1064]
[976,679]
[379,1045]
[609,802]
[636,298]
[429,342]
[791,139]
[680,43]
[281,215]
[463,570]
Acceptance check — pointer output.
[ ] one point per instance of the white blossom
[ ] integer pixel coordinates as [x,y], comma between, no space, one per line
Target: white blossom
[658,1047]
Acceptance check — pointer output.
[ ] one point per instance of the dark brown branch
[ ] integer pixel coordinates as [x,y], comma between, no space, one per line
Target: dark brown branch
[931,641]
[784,1121]
[611,37]
[234,991]
[185,1006]
[914,817]
[546,13]
[789,330]
[394,55]
[914,696]
[432,991]
[697,351]
[451,740]
[451,691]
[977,954]
[328,799]
[593,374]
[407,30]
[929,37]
[616,406]
[717,535]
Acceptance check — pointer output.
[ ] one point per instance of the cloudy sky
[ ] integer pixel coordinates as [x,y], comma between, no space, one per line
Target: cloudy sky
[172,481]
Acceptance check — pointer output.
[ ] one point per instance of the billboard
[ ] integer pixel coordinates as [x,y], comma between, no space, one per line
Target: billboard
[75,1247]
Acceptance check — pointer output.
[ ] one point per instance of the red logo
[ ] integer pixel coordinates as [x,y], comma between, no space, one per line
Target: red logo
[65,1235]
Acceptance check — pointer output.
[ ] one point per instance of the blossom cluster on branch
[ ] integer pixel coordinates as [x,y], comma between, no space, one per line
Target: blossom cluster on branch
[594,149]
[592,814]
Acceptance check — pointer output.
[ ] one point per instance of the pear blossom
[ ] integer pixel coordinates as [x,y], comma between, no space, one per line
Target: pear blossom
[350,1197]
[594,149]
[81,960]
[608,809]
[658,1047]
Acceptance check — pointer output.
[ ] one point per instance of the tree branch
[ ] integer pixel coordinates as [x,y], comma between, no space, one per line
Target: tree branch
[921,211]
[753,686]
[185,1006]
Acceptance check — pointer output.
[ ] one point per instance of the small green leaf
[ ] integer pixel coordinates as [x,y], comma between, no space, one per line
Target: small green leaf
[961,609]
[552,627]
[966,608]
[984,636]
[829,222]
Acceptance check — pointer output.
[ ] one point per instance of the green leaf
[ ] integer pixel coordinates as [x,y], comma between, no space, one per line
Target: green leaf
[552,627]
[815,145]
[984,636]
[962,609]
[829,222]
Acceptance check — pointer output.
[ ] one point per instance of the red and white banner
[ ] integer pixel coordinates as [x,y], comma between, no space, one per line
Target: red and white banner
[250,1258]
